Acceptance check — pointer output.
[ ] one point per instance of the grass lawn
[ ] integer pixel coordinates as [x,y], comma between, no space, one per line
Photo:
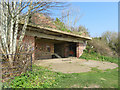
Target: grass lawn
[43,78]
[93,79]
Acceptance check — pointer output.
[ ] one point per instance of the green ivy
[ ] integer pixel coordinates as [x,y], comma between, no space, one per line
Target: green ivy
[39,78]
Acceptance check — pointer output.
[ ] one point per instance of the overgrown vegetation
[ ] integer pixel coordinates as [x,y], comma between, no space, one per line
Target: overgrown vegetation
[101,47]
[81,30]
[39,78]
[111,39]
[46,21]
[97,49]
[60,25]
[44,78]
[96,56]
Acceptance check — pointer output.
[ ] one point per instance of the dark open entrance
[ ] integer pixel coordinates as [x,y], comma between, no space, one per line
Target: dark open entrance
[65,49]
[59,49]
[72,49]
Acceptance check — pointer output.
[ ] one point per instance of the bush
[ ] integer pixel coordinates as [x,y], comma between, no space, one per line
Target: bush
[99,46]
[111,39]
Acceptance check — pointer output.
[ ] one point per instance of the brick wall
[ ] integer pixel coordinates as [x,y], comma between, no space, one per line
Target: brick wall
[79,49]
[43,49]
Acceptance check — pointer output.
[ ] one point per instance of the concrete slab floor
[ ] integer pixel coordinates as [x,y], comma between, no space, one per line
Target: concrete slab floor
[74,65]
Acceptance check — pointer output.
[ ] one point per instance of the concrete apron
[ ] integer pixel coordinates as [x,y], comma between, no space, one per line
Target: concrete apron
[56,60]
[74,65]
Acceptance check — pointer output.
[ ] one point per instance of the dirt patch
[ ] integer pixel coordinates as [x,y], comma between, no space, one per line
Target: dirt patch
[74,65]
[90,86]
[75,86]
[93,86]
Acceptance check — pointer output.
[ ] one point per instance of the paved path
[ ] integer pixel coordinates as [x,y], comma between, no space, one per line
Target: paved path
[74,65]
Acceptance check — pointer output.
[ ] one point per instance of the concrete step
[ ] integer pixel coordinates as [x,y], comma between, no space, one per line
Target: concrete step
[57,55]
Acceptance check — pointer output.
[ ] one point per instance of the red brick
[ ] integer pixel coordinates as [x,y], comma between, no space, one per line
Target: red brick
[79,49]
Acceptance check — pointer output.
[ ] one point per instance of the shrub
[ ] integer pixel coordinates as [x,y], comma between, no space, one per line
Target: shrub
[99,46]
[111,39]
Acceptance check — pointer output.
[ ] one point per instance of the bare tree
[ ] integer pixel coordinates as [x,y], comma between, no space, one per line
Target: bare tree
[71,17]
[11,13]
[111,39]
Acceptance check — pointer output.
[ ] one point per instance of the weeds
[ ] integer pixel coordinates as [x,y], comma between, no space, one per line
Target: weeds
[39,78]
[95,56]
[95,69]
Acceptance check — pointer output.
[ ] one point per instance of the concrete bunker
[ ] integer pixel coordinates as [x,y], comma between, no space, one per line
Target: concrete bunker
[50,43]
[47,49]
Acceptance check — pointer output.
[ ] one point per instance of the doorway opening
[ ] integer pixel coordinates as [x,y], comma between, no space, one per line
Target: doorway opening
[65,49]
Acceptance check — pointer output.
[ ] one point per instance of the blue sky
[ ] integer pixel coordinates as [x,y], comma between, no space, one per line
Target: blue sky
[98,17]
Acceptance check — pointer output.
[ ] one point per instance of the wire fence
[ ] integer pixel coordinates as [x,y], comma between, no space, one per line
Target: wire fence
[19,64]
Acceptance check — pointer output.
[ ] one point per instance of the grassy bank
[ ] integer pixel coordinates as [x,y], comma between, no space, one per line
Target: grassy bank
[98,57]
[43,78]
